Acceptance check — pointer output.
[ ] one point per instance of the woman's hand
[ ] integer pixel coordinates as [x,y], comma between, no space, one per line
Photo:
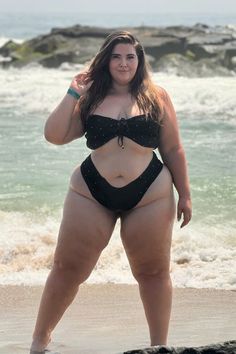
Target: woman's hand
[81,83]
[184,207]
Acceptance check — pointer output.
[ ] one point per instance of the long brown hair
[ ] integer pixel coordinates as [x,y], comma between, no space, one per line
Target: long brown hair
[142,87]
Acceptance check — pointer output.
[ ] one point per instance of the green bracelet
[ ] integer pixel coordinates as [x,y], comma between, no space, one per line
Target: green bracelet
[73,93]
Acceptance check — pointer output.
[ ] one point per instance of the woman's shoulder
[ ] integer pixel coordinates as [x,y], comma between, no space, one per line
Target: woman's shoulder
[161,92]
[162,98]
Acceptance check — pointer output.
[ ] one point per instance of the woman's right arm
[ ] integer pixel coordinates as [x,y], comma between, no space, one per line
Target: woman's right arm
[64,125]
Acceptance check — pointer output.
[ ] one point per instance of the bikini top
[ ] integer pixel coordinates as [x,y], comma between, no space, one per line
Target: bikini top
[141,129]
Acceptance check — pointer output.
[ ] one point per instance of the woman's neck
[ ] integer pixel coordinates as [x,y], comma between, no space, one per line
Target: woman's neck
[120,90]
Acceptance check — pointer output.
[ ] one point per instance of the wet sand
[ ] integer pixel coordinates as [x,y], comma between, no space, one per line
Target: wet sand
[109,319]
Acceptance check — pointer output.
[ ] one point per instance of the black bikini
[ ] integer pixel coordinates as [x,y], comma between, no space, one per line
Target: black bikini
[98,131]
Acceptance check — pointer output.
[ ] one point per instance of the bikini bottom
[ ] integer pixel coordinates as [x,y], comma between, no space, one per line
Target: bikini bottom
[119,199]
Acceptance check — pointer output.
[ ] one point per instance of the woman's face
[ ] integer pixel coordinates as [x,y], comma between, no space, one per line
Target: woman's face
[123,63]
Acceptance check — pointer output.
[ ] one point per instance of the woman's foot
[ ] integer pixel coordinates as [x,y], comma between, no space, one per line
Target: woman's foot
[40,344]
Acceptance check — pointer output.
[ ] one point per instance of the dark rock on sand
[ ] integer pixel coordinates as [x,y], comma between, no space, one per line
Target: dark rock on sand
[220,348]
[199,50]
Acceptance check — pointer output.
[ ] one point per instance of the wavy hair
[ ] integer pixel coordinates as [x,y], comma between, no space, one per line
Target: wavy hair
[142,87]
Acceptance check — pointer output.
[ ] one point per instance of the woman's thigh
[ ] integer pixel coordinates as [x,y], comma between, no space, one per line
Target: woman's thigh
[146,230]
[85,231]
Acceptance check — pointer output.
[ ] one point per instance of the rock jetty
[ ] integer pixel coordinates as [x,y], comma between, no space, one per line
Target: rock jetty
[220,348]
[175,49]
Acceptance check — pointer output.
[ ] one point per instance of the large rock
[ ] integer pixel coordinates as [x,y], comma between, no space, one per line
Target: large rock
[221,348]
[229,60]
[8,48]
[159,46]
[177,64]
[209,45]
[78,31]
[47,44]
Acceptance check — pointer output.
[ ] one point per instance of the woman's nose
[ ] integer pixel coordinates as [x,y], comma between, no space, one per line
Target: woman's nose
[123,62]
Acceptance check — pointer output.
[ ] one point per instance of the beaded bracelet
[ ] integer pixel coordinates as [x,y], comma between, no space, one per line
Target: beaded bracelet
[73,93]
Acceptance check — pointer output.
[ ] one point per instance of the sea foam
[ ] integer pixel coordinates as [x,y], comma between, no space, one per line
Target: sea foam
[38,89]
[202,256]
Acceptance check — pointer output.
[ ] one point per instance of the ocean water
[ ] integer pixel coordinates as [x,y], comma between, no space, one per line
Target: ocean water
[34,174]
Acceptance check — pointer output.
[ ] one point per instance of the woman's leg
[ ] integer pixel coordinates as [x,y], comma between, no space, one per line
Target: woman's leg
[85,230]
[146,235]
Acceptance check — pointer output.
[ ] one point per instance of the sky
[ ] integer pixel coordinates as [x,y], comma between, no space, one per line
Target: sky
[121,6]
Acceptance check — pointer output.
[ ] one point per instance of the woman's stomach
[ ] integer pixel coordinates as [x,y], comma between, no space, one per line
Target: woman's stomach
[119,166]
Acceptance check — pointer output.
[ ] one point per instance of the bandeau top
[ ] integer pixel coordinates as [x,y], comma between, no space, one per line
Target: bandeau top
[141,129]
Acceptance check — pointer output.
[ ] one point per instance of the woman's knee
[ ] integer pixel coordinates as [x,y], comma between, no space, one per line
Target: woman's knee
[151,274]
[70,272]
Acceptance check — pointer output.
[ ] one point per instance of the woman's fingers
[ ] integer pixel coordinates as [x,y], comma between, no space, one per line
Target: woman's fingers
[185,209]
[187,218]
[82,82]
[83,77]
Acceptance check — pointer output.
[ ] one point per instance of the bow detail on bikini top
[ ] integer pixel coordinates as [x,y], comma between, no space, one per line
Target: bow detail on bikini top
[141,129]
[122,130]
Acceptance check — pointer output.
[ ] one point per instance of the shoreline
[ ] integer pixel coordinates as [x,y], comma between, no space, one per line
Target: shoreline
[109,318]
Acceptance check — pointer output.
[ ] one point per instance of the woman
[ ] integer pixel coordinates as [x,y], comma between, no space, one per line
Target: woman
[124,117]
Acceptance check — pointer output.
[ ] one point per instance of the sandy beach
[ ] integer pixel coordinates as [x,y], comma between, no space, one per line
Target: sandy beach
[109,319]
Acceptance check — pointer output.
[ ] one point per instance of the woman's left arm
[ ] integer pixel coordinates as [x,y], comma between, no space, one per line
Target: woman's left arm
[173,156]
